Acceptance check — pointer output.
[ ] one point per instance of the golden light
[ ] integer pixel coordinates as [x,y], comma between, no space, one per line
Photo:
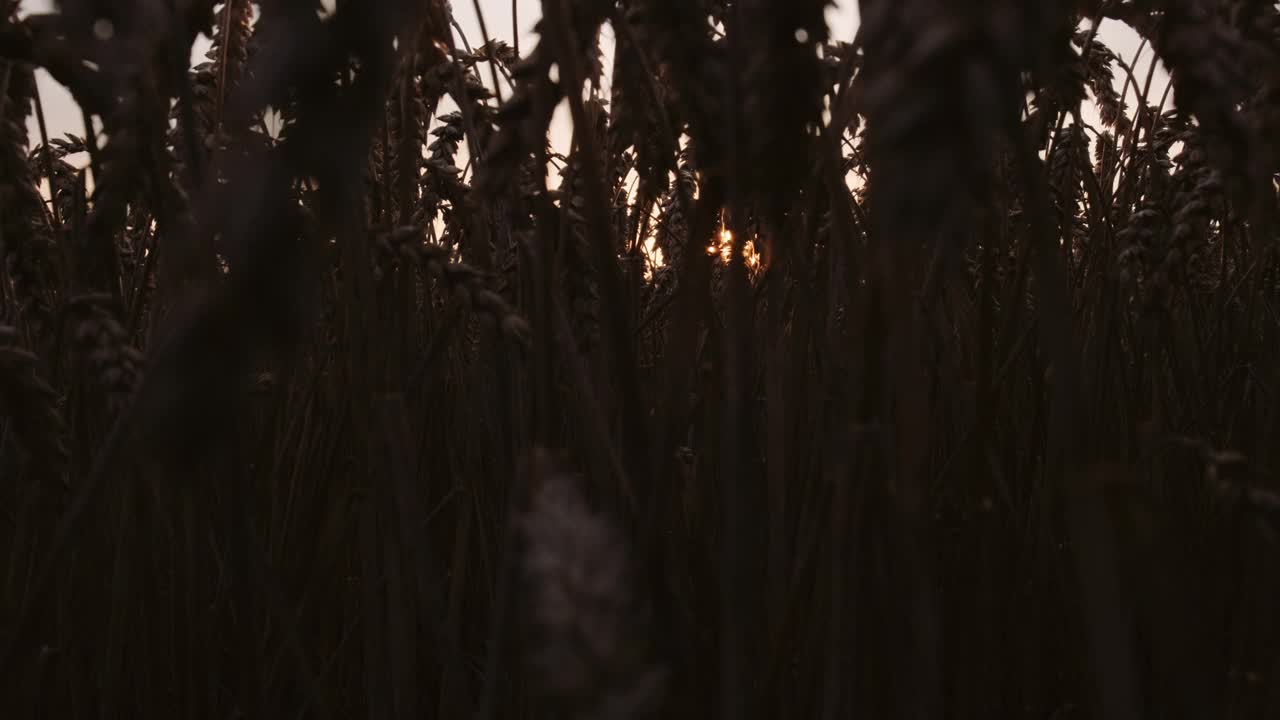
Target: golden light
[723,246]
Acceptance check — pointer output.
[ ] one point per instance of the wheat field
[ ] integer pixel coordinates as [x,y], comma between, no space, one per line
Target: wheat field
[378,367]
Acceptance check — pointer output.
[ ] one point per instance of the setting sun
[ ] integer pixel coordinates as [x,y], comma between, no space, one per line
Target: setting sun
[723,247]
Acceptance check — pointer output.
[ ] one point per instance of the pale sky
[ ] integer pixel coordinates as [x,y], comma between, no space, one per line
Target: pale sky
[62,115]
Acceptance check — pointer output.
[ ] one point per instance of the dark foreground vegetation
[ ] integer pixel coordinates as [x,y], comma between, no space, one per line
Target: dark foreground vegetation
[320,397]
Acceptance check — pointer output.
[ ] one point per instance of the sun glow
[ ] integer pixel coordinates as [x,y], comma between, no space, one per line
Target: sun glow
[653,259]
[722,247]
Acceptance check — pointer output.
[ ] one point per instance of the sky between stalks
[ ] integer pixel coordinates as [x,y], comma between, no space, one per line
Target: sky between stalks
[62,115]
